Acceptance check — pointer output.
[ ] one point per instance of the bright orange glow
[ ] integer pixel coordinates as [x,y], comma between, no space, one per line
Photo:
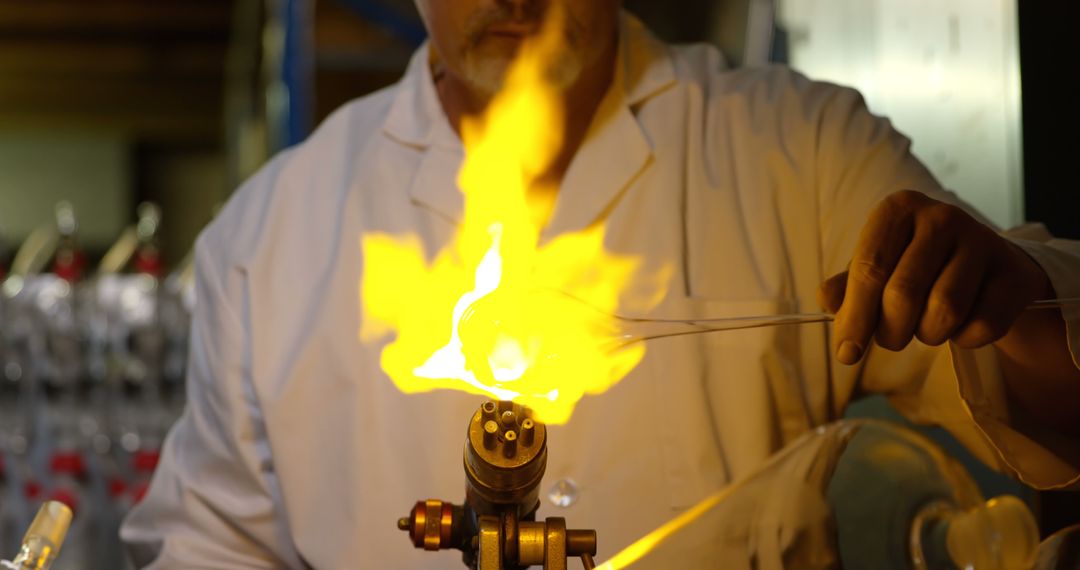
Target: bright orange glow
[486,314]
[649,542]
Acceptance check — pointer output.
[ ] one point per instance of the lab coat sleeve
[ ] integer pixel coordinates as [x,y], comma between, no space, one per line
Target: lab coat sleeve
[861,160]
[212,501]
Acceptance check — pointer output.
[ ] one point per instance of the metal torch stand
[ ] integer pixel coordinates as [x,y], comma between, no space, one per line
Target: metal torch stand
[505,458]
[509,543]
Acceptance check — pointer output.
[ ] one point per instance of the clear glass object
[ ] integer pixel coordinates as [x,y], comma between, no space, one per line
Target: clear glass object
[633,330]
[1060,551]
[853,494]
[564,493]
[43,539]
[617,331]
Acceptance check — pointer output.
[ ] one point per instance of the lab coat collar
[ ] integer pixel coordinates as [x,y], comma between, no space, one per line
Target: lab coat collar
[643,61]
[416,117]
[615,149]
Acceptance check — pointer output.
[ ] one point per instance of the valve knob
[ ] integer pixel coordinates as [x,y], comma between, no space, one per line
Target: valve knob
[429,524]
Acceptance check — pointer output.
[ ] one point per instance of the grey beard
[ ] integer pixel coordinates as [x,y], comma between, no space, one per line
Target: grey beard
[488,75]
[575,54]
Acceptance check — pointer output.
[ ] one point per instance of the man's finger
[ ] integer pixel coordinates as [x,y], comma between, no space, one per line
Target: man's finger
[905,294]
[880,246]
[831,292]
[996,308]
[952,296]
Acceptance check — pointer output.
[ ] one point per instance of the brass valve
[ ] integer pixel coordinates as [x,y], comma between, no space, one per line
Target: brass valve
[430,524]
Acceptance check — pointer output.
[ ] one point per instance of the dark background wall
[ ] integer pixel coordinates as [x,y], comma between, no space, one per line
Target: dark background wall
[1050,73]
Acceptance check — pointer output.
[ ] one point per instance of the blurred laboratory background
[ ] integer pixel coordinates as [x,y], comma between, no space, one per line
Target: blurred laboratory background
[125,124]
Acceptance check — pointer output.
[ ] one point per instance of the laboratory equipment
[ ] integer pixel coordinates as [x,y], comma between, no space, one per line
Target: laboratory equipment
[496,527]
[91,368]
[852,494]
[1060,551]
[43,539]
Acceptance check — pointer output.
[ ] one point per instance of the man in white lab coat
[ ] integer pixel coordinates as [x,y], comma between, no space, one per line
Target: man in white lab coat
[757,185]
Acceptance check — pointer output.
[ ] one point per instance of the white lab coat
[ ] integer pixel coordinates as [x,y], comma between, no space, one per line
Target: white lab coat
[296,450]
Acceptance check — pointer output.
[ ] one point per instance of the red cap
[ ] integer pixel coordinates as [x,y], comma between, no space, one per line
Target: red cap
[145,460]
[69,264]
[32,489]
[139,492]
[117,487]
[68,462]
[148,260]
[66,496]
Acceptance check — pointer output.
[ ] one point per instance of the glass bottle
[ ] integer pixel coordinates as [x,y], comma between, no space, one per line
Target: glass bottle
[43,539]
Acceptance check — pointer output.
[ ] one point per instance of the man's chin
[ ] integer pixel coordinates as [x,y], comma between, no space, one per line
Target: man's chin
[486,75]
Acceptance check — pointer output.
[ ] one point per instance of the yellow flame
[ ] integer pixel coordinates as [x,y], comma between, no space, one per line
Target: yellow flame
[481,316]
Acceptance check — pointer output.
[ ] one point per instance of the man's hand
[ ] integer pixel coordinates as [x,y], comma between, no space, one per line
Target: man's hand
[927,269]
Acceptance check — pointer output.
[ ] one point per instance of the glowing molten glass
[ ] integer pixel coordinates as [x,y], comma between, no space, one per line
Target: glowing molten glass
[485,315]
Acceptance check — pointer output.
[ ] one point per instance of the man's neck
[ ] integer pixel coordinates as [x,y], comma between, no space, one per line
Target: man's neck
[580,101]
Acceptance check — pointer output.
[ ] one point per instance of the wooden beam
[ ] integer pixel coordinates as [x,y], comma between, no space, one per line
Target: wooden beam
[23,59]
[168,93]
[138,17]
[164,129]
[153,69]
